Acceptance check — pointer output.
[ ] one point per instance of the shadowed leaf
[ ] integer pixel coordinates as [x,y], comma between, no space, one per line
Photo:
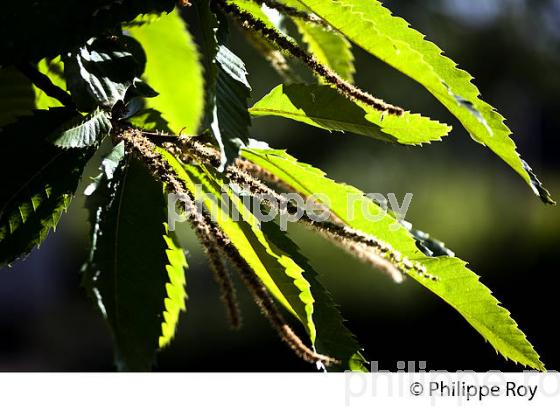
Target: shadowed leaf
[81,132]
[134,270]
[37,189]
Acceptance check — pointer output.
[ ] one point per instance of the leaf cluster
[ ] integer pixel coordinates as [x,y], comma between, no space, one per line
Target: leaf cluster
[159,90]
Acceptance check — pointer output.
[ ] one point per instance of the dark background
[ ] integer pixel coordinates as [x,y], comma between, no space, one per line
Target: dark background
[463,194]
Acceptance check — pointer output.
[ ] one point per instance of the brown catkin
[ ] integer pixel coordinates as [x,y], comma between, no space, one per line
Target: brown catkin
[269,310]
[227,290]
[275,58]
[342,86]
[363,246]
[211,235]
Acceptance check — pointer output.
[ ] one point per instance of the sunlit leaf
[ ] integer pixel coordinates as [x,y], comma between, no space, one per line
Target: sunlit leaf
[173,69]
[275,268]
[54,70]
[327,45]
[175,288]
[321,106]
[371,26]
[253,8]
[456,284]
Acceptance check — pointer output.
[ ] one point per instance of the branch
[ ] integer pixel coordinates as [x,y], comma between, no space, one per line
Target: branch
[45,84]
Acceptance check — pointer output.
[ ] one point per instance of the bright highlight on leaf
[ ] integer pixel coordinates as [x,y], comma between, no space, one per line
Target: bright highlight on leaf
[54,69]
[329,47]
[176,294]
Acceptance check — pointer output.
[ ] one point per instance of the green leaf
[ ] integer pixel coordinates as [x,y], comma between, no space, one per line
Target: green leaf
[456,284]
[108,168]
[173,69]
[204,27]
[225,79]
[110,163]
[150,120]
[40,186]
[275,268]
[322,106]
[101,72]
[81,132]
[175,288]
[16,95]
[134,270]
[371,26]
[333,337]
[54,69]
[329,47]
[253,8]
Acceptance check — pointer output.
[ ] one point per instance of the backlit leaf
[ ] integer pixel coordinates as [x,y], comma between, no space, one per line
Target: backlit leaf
[321,106]
[371,26]
[456,284]
[134,272]
[174,70]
